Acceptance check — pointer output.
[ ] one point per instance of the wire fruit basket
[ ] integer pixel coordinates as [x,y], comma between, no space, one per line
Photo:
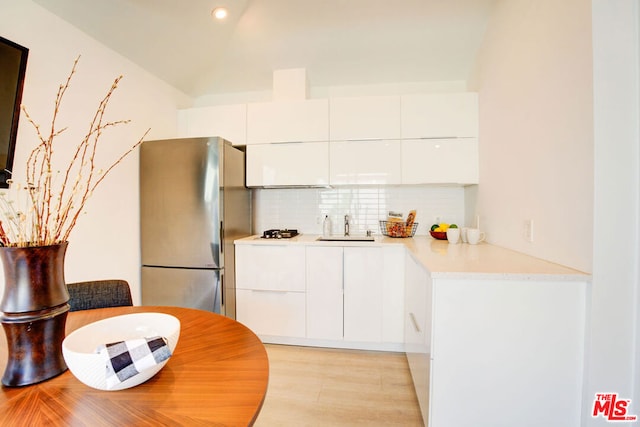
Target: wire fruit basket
[398,229]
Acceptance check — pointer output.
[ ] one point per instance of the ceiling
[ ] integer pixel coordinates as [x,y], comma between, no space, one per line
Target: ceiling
[338,42]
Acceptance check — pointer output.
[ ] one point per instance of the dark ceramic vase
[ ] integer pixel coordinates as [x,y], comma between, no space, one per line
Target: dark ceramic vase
[34,312]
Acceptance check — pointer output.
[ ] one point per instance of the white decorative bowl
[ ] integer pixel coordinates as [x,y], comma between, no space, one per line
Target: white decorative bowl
[79,347]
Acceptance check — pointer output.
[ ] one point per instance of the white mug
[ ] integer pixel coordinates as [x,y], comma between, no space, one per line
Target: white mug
[453,235]
[463,234]
[474,236]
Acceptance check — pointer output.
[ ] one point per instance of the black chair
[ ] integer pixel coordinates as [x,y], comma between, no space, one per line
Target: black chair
[99,294]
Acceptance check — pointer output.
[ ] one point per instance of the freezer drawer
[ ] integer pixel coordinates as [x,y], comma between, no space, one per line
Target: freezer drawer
[182,287]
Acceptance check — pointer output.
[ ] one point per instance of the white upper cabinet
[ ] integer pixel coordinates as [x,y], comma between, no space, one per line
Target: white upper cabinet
[288,121]
[440,115]
[440,161]
[226,121]
[365,162]
[368,117]
[288,164]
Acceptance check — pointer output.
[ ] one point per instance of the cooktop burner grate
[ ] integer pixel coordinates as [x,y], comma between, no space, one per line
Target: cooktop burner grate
[279,234]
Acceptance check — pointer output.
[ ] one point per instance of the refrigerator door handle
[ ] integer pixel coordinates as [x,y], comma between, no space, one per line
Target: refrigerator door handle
[221,236]
[222,289]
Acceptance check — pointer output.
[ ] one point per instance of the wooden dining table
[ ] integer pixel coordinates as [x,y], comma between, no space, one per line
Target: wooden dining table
[218,375]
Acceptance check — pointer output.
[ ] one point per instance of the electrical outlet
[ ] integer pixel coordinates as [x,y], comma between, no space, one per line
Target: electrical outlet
[527,230]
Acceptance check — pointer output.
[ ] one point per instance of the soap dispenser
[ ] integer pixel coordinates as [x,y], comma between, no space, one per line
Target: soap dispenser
[326,226]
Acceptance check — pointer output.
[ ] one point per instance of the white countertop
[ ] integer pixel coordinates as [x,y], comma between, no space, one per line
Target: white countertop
[444,260]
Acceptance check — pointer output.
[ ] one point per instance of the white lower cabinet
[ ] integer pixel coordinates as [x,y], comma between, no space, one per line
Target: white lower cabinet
[355,294]
[270,289]
[333,296]
[276,313]
[363,280]
[324,292]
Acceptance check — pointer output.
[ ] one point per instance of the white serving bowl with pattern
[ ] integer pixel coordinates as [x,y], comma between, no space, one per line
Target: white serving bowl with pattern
[79,347]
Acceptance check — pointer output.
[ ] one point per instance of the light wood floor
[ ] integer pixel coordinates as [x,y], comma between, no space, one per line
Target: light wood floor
[328,387]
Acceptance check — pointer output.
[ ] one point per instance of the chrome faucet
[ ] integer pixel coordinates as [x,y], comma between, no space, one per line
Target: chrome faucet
[346,225]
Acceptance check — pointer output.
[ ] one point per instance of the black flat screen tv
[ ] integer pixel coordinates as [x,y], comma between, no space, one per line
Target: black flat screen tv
[13,65]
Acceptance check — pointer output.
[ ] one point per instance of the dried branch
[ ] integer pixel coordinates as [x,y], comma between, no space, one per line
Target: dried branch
[54,207]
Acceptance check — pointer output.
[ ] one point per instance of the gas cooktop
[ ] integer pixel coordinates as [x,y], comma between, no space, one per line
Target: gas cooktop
[279,234]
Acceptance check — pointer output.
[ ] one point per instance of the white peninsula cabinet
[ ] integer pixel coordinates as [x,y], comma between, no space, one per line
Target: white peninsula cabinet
[417,329]
[502,345]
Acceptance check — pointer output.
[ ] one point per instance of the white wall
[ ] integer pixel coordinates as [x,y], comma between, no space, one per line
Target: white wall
[105,242]
[533,75]
[558,84]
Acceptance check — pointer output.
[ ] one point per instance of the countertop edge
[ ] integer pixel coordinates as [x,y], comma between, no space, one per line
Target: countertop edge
[445,261]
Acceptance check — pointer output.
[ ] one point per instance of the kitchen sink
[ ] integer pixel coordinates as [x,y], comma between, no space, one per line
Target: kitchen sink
[355,238]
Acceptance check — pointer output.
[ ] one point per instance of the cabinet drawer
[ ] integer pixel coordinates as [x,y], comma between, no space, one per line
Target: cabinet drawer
[272,312]
[270,268]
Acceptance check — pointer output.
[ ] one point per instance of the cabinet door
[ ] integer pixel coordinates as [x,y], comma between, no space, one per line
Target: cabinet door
[393,293]
[226,121]
[270,267]
[274,313]
[365,162]
[363,305]
[525,336]
[288,121]
[293,164]
[417,330]
[368,117]
[441,115]
[440,161]
[324,292]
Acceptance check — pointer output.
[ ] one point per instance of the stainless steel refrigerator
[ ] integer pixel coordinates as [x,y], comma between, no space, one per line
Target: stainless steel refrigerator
[193,205]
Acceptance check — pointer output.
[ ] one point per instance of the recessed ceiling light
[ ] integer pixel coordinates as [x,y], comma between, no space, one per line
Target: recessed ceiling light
[219,13]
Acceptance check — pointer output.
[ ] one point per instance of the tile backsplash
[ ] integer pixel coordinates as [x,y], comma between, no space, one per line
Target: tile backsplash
[304,209]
